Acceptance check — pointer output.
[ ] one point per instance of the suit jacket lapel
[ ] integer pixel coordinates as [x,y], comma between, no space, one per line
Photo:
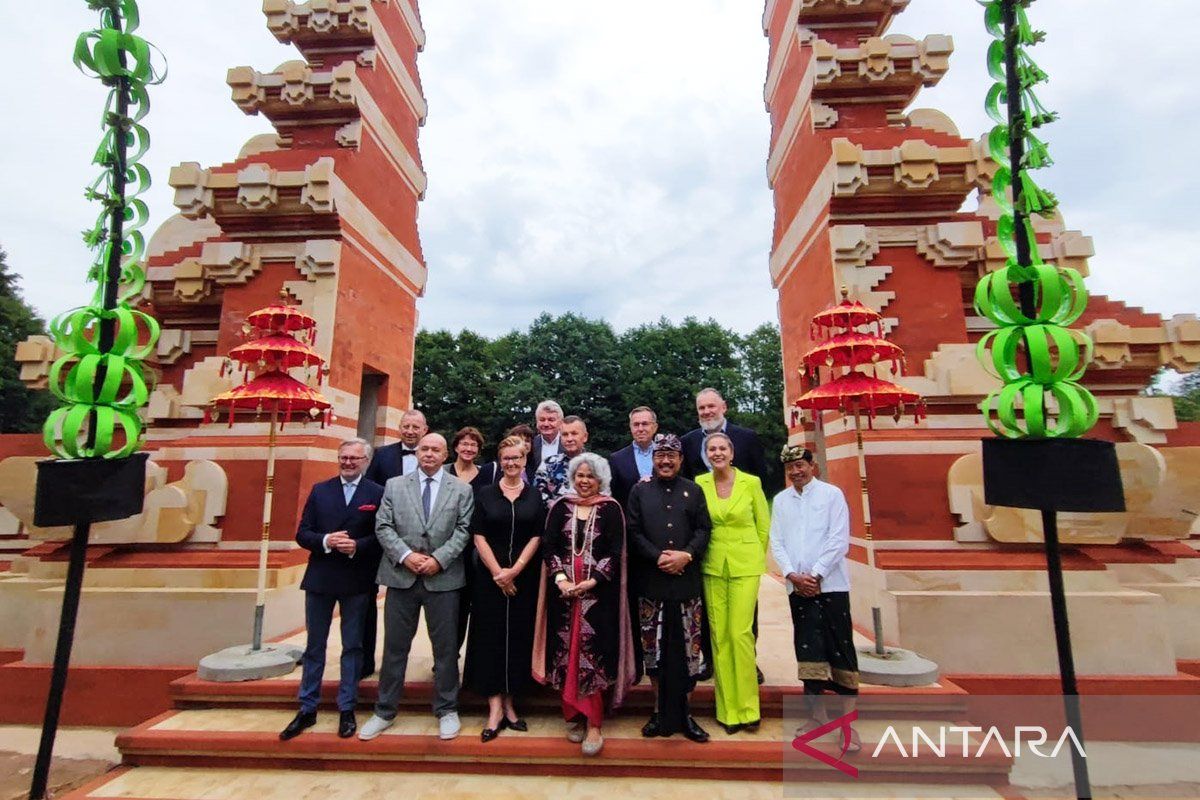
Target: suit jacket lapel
[439,501]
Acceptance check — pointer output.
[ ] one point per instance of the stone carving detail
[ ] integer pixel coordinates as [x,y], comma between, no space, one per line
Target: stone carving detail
[190,284]
[877,59]
[1177,342]
[950,244]
[852,245]
[230,262]
[286,18]
[255,189]
[193,198]
[367,58]
[317,193]
[35,355]
[916,165]
[851,172]
[293,85]
[320,258]
[1156,484]
[350,135]
[823,116]
[186,509]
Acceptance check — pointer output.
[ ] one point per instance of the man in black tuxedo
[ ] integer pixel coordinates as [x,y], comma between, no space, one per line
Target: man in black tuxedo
[635,462]
[338,529]
[389,462]
[548,417]
[399,458]
[748,454]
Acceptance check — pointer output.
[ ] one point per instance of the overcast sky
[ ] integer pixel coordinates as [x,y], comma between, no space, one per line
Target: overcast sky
[608,158]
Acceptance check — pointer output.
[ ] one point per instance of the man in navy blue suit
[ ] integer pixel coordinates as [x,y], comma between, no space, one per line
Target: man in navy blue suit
[635,462]
[338,529]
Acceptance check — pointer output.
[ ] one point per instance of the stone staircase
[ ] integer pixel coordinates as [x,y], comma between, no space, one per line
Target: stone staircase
[220,740]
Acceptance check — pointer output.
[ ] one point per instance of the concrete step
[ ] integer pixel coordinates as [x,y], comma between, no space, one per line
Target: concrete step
[248,738]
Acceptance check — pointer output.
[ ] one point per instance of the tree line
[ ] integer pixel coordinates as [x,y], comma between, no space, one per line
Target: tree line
[493,384]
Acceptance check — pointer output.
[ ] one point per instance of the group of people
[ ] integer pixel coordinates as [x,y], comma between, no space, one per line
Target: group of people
[575,571]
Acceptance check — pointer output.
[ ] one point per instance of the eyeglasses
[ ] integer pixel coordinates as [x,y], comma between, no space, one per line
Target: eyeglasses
[352,458]
[510,459]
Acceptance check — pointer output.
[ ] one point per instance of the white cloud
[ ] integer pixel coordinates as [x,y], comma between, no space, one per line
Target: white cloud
[609,158]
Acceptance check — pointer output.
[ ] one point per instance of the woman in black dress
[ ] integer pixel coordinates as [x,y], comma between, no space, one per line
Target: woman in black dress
[506,527]
[467,444]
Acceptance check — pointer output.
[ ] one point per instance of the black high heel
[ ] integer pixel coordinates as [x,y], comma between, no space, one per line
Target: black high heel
[488,734]
[519,725]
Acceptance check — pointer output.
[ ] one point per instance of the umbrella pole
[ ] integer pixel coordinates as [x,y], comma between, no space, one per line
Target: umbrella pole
[876,614]
[268,497]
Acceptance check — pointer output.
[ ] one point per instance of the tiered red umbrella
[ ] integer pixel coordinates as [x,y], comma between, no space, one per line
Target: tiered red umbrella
[841,346]
[272,349]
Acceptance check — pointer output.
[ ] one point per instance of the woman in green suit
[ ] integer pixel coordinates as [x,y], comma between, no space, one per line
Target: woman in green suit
[733,565]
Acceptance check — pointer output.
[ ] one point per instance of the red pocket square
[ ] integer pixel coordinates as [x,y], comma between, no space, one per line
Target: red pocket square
[368,507]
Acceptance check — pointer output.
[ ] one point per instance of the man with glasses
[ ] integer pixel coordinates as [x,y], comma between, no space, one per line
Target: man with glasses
[338,529]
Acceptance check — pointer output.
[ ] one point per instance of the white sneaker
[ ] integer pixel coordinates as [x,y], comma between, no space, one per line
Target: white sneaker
[449,726]
[373,727]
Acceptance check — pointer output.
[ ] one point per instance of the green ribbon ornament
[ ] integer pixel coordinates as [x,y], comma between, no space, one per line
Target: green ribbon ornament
[103,385]
[1033,351]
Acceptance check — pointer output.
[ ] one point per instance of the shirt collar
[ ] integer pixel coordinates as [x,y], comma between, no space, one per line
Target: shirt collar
[647,450]
[350,483]
[437,476]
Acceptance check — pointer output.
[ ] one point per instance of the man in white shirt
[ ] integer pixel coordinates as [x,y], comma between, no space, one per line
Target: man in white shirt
[548,417]
[810,537]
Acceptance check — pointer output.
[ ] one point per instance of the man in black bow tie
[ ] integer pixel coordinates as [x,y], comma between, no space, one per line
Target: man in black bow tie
[399,458]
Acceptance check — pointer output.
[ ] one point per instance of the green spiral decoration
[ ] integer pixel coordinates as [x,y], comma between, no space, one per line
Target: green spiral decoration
[101,379]
[1033,351]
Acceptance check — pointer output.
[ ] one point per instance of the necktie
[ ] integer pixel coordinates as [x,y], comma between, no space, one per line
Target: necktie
[426,495]
[348,490]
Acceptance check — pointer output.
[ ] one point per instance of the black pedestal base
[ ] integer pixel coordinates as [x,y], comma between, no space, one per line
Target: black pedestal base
[89,490]
[1052,475]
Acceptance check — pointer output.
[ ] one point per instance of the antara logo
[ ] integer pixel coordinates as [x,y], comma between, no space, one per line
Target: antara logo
[801,743]
[1031,736]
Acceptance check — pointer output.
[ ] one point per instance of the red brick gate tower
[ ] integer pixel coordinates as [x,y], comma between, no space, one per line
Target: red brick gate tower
[868,196]
[324,210]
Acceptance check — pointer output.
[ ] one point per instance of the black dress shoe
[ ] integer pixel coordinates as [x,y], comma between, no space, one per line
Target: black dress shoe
[751,727]
[347,725]
[652,728]
[302,720]
[761,678]
[731,729]
[694,732]
[490,733]
[518,725]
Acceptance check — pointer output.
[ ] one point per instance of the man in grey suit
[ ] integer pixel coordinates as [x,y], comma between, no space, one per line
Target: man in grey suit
[422,527]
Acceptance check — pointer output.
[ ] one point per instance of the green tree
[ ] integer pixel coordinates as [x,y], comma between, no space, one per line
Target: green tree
[22,410]
[1187,399]
[761,357]
[454,381]
[663,366]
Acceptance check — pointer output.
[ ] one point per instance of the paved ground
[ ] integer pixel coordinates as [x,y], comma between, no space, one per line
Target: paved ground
[80,755]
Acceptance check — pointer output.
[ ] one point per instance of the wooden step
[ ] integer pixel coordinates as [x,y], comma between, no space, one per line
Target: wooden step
[248,738]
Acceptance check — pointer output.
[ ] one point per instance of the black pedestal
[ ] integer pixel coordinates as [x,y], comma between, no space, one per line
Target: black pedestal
[78,493]
[1053,475]
[89,490]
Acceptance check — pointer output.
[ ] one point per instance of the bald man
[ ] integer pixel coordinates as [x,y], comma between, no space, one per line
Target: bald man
[422,526]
